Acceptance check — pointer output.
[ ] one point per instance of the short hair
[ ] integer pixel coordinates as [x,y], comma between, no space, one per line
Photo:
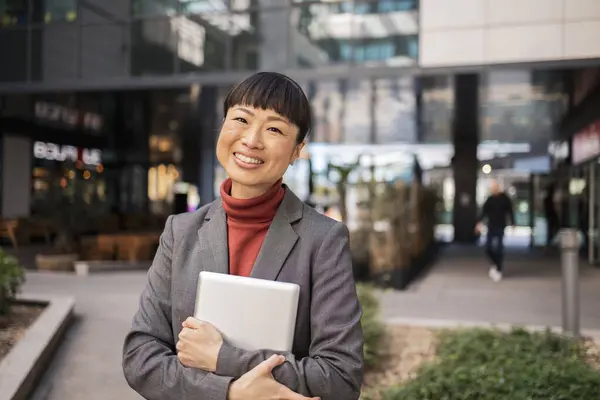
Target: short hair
[273,91]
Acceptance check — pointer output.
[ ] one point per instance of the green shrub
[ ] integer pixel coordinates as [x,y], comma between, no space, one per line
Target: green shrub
[373,328]
[492,365]
[11,278]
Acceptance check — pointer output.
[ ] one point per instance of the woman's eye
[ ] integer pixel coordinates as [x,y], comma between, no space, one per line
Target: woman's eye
[275,130]
[240,119]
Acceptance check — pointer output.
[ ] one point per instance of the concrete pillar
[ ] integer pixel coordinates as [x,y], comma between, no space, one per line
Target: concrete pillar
[16,176]
[275,31]
[465,166]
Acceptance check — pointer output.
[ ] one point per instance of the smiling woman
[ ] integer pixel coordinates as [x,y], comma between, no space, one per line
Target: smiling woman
[267,118]
[259,228]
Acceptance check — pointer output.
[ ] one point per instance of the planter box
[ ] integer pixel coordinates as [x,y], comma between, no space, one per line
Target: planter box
[26,362]
[56,262]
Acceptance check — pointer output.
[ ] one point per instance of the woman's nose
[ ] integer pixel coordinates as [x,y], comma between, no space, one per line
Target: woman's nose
[252,138]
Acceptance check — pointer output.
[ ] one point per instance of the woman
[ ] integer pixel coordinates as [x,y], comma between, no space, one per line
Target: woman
[258,228]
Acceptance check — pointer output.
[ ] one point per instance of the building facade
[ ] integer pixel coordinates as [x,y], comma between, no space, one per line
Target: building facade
[470,88]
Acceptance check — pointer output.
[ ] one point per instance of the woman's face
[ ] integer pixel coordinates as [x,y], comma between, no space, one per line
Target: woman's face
[255,147]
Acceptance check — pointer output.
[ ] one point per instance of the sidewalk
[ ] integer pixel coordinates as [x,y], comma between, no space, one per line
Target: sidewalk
[457,288]
[88,364]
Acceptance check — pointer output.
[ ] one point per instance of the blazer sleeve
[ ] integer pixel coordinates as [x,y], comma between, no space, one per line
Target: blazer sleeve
[150,363]
[334,368]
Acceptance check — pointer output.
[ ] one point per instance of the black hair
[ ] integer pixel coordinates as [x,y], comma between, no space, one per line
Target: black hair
[273,91]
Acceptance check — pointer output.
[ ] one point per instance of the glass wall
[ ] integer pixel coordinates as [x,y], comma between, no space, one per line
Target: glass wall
[378,125]
[79,40]
[520,111]
[356,32]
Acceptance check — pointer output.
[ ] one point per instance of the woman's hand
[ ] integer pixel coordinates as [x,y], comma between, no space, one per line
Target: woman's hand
[199,345]
[258,384]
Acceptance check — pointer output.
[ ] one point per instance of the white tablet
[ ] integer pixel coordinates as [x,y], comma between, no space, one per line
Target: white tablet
[250,313]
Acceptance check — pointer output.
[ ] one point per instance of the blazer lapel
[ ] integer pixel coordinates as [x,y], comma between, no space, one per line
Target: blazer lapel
[280,239]
[212,238]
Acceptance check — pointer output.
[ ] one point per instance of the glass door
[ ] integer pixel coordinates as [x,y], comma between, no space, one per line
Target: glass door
[543,210]
[594,213]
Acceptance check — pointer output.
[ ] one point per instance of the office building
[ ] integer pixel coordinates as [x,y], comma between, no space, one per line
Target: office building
[471,88]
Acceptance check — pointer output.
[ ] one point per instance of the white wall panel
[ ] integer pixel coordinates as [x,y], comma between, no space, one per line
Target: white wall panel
[452,14]
[582,39]
[582,9]
[467,32]
[510,12]
[524,43]
[459,47]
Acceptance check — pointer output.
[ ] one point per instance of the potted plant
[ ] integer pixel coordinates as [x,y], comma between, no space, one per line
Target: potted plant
[11,278]
[69,214]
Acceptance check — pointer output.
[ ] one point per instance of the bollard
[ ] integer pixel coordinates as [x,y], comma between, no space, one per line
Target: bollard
[569,247]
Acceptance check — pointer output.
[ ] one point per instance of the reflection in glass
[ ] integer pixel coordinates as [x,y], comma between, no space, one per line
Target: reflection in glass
[13,42]
[60,10]
[13,13]
[395,110]
[347,32]
[356,111]
[328,104]
[519,106]
[437,108]
[153,47]
[142,8]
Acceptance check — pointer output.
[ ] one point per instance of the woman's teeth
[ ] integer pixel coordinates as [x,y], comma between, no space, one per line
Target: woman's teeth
[248,160]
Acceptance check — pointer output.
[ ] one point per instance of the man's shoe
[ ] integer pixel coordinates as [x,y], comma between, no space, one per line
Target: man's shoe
[495,275]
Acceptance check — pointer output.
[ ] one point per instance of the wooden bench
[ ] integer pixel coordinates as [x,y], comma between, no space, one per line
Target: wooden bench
[8,230]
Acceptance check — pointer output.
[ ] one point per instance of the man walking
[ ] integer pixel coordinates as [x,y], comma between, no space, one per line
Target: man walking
[497,209]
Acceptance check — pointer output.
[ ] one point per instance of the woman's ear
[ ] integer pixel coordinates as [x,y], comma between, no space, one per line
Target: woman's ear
[297,152]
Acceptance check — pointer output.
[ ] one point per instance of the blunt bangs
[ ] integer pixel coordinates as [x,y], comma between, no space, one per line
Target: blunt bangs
[273,91]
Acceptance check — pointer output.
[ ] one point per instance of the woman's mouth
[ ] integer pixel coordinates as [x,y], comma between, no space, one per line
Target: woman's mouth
[248,160]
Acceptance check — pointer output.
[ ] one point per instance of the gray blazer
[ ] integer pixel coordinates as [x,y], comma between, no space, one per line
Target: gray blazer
[301,246]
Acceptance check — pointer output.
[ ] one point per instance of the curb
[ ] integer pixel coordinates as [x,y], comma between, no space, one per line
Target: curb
[445,324]
[23,366]
[85,268]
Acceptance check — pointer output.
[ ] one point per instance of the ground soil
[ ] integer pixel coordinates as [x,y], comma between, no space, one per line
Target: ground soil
[12,328]
[406,348]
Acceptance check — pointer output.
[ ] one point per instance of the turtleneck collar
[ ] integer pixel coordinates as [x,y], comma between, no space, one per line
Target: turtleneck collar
[255,210]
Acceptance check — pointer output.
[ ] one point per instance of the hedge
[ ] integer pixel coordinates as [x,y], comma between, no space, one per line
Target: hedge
[493,365]
[373,328]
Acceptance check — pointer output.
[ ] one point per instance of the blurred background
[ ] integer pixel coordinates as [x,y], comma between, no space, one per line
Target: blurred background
[109,116]
[117,104]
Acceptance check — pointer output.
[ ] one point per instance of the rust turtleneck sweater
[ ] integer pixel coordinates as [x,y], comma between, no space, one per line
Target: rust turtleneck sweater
[247,223]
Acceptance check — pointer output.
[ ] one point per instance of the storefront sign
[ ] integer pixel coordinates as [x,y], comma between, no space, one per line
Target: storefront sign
[71,117]
[586,143]
[55,152]
[559,152]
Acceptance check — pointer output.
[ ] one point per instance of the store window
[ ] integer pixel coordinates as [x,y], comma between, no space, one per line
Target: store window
[142,8]
[67,173]
[13,13]
[59,10]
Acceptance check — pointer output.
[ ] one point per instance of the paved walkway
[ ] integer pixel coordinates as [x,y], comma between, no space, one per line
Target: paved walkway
[458,288]
[88,364]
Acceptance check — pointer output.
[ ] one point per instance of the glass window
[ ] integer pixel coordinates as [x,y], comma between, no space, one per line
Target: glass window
[13,13]
[437,108]
[154,7]
[327,103]
[346,33]
[384,6]
[521,104]
[13,42]
[357,111]
[395,110]
[60,10]
[203,6]
[153,47]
